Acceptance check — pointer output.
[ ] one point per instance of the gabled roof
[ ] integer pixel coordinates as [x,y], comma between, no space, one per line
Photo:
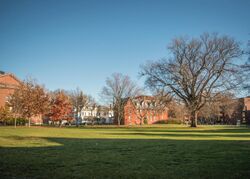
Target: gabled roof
[11,85]
[10,74]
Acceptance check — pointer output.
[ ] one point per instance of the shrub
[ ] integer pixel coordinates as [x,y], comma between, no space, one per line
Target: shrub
[174,121]
[170,121]
[11,121]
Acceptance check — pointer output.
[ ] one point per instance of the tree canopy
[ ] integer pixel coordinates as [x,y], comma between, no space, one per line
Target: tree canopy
[196,69]
[29,99]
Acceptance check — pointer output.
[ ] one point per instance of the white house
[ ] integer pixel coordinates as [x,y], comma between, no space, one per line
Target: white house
[101,114]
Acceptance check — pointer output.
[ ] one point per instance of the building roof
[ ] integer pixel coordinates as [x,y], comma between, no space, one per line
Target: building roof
[9,81]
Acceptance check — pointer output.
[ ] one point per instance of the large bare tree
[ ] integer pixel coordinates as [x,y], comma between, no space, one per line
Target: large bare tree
[196,68]
[117,88]
[246,67]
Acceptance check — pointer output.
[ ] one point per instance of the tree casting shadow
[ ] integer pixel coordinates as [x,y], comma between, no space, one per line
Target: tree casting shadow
[126,158]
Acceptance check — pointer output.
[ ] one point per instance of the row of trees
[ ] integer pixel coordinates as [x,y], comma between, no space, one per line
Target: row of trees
[31,100]
[199,73]
[120,87]
[222,107]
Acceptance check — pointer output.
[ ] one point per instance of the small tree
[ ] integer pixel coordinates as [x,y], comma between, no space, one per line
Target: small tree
[78,100]
[197,68]
[118,87]
[177,110]
[221,107]
[5,114]
[60,107]
[29,99]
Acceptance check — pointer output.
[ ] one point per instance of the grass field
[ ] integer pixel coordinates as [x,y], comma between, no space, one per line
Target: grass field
[108,152]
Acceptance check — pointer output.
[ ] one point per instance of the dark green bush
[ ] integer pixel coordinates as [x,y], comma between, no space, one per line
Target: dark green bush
[174,121]
[170,121]
[11,121]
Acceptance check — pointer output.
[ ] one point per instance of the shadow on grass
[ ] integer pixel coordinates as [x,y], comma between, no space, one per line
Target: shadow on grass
[184,129]
[196,130]
[236,133]
[181,135]
[126,158]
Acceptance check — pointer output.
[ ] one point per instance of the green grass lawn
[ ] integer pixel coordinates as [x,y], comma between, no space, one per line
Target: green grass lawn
[162,151]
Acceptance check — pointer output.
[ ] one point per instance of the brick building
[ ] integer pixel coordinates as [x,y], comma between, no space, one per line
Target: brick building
[8,84]
[241,112]
[142,110]
[244,109]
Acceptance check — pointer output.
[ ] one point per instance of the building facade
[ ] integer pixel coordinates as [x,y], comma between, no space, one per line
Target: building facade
[8,84]
[244,108]
[98,113]
[142,110]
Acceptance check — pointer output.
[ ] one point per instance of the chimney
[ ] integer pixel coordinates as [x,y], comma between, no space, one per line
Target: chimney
[2,72]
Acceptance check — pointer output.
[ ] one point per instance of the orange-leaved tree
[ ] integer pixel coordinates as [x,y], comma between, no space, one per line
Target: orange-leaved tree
[60,107]
[29,100]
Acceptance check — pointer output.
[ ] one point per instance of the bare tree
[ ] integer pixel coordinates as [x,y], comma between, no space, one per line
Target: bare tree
[248,49]
[177,111]
[118,87]
[221,108]
[246,68]
[78,100]
[197,68]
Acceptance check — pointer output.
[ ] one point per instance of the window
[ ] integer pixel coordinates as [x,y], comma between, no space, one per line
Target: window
[7,98]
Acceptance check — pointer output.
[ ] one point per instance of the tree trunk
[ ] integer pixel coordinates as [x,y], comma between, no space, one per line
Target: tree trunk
[118,116]
[29,122]
[118,120]
[15,122]
[193,118]
[77,118]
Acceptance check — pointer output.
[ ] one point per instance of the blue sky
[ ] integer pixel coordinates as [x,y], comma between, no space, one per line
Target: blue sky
[70,43]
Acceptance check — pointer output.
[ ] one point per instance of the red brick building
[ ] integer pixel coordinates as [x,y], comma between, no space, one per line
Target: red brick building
[244,108]
[142,110]
[8,84]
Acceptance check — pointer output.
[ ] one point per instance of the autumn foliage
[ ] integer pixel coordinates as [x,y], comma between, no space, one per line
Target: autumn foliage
[60,107]
[29,99]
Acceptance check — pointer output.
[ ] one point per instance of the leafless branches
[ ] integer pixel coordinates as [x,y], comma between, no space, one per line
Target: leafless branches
[197,68]
[118,88]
